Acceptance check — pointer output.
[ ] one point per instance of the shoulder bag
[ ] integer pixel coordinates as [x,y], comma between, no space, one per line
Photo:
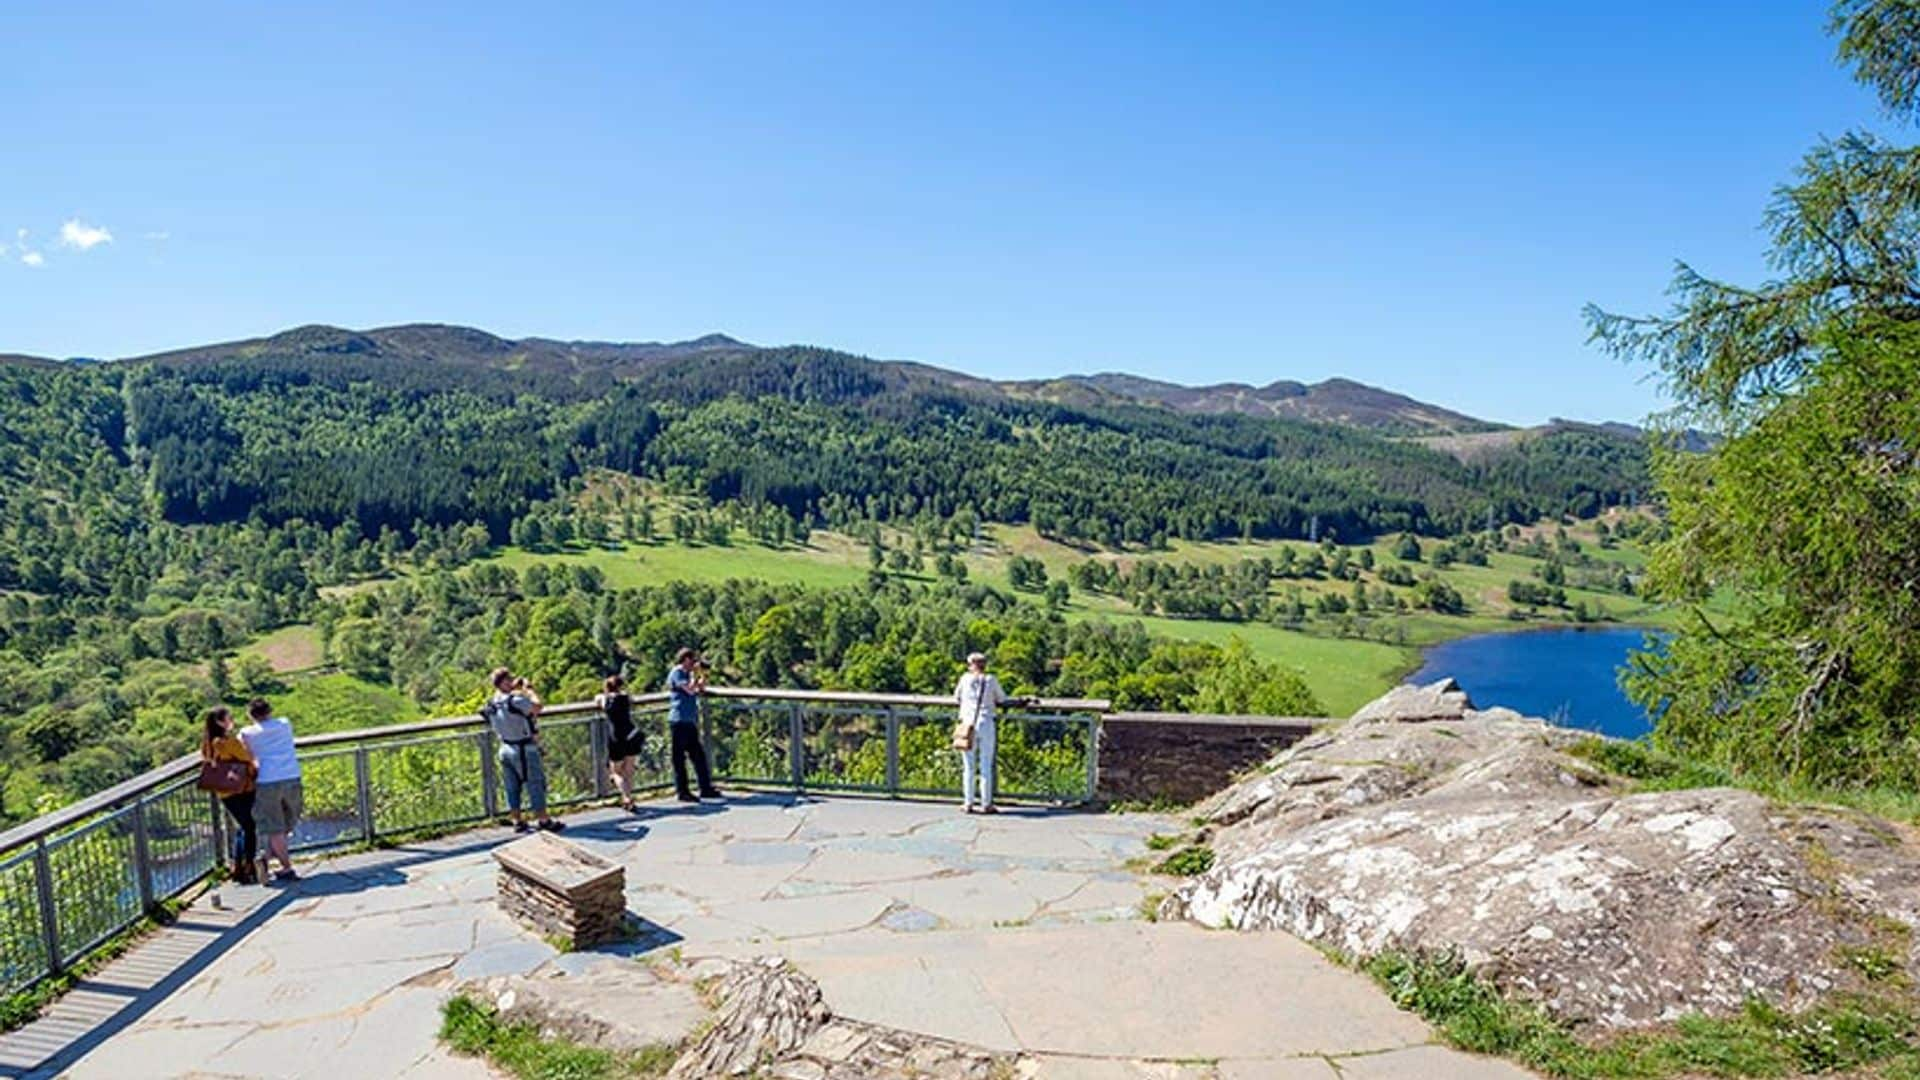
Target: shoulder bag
[963,729]
[223,777]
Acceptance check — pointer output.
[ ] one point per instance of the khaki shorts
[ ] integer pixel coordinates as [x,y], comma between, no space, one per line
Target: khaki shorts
[277,806]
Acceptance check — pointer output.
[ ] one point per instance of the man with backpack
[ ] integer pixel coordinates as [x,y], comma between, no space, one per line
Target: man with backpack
[510,712]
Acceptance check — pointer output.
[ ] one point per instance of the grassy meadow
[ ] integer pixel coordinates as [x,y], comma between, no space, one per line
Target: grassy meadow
[1342,670]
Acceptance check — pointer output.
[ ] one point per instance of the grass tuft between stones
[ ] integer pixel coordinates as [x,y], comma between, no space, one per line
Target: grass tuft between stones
[1187,862]
[473,1029]
[1856,1032]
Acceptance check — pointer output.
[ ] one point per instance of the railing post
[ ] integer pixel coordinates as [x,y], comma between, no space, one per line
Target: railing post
[222,843]
[142,857]
[796,747]
[363,791]
[49,917]
[1093,757]
[597,740]
[893,752]
[489,783]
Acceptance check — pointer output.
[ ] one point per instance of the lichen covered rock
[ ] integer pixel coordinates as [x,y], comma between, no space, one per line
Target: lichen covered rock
[1426,825]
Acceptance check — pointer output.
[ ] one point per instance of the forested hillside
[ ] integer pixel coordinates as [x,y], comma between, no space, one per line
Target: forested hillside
[158,513]
[312,425]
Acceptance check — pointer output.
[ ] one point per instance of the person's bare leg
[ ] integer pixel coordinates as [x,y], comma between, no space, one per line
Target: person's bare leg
[277,844]
[622,771]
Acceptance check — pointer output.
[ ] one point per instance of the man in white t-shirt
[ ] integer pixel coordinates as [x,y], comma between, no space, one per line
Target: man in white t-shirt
[278,800]
[978,695]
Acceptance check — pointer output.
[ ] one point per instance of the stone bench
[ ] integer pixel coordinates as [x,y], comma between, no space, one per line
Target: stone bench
[563,890]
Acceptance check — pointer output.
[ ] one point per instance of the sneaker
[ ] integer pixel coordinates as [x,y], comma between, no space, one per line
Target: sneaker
[988,810]
[285,875]
[711,793]
[683,797]
[554,825]
[522,827]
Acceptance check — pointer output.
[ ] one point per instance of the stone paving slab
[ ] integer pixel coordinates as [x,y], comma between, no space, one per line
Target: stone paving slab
[1017,932]
[1121,990]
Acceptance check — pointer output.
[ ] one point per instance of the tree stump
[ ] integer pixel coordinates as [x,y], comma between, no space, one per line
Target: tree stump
[563,890]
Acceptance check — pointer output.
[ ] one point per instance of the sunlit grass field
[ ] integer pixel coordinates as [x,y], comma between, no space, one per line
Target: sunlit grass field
[1343,672]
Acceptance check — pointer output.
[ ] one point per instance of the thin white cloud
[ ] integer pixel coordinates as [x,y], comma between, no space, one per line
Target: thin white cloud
[157,236]
[80,236]
[27,255]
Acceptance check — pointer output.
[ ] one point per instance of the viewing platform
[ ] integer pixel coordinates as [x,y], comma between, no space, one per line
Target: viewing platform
[1027,933]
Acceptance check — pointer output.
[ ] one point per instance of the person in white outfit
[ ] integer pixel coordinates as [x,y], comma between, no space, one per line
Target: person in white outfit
[978,695]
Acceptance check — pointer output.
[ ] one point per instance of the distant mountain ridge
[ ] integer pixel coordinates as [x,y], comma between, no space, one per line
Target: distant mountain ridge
[456,345]
[1333,401]
[1339,401]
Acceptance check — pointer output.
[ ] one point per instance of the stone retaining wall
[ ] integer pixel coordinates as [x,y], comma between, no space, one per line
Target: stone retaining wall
[1185,757]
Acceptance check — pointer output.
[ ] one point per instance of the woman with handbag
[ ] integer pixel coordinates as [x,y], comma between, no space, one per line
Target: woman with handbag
[228,770]
[978,695]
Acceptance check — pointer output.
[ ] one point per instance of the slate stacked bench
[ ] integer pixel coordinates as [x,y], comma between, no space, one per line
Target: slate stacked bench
[563,890]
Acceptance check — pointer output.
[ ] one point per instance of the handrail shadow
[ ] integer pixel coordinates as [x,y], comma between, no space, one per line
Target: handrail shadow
[125,976]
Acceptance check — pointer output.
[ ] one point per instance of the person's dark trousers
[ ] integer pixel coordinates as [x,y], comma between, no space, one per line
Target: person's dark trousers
[246,862]
[686,744]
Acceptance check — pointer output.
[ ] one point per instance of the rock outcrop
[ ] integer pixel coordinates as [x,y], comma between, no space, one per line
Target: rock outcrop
[627,1007]
[1426,825]
[719,1018]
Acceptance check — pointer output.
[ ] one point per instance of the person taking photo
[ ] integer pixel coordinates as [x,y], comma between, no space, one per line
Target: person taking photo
[511,713]
[686,682]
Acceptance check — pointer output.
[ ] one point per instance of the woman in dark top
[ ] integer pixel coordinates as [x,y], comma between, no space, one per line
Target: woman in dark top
[623,739]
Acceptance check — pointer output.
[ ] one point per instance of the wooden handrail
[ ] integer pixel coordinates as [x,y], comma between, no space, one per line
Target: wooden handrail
[47,824]
[860,697]
[453,723]
[1304,723]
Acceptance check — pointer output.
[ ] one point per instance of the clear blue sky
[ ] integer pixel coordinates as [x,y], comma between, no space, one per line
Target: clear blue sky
[1415,195]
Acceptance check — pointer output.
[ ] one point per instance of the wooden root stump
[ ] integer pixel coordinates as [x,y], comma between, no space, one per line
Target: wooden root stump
[563,890]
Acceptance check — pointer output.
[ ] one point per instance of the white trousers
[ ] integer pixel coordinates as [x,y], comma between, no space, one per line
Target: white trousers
[978,760]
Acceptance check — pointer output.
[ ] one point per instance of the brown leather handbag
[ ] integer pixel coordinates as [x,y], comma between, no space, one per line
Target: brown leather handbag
[963,730]
[224,777]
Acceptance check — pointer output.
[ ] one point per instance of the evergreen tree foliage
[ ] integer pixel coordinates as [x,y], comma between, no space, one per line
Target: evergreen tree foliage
[1809,507]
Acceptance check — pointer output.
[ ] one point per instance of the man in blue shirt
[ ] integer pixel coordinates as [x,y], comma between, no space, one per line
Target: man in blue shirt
[686,681]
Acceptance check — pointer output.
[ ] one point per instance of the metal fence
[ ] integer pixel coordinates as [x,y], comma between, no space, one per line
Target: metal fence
[72,879]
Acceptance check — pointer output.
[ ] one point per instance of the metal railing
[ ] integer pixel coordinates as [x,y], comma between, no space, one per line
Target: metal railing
[73,879]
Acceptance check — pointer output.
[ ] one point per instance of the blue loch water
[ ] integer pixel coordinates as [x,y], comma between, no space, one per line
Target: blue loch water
[1570,676]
